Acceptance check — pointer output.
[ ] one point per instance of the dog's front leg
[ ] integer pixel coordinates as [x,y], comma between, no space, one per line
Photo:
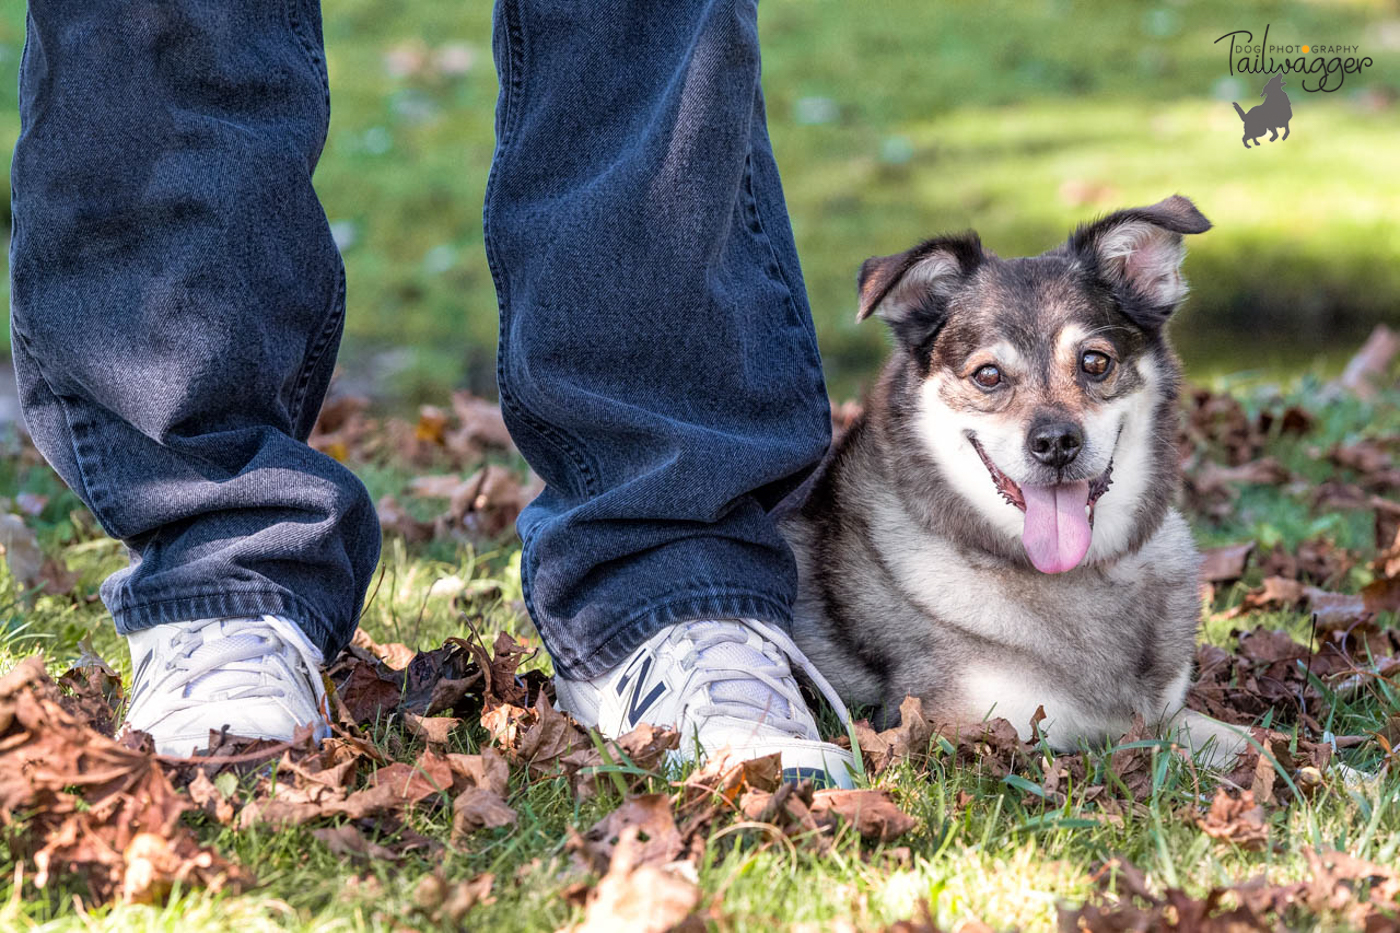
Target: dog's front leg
[1214,743]
[1274,131]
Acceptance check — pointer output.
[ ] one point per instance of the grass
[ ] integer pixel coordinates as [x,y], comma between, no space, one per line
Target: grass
[891,122]
[984,848]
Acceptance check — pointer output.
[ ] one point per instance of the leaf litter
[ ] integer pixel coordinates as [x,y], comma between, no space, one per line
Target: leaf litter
[114,818]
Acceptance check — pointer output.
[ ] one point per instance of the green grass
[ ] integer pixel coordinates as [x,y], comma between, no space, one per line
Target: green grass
[997,854]
[893,121]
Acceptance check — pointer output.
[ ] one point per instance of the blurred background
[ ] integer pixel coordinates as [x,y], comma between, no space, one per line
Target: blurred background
[894,120]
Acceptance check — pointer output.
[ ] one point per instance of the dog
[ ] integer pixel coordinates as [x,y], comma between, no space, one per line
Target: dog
[995,533]
[1274,112]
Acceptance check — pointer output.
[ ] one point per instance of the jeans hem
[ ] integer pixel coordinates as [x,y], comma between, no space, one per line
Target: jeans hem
[227,604]
[647,621]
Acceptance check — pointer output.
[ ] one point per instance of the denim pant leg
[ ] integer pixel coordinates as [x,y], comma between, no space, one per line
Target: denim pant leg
[658,365]
[178,301]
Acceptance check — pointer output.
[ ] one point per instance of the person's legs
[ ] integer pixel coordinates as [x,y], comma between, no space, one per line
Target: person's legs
[658,365]
[177,303]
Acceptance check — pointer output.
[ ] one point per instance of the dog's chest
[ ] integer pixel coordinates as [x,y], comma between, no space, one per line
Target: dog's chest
[1007,605]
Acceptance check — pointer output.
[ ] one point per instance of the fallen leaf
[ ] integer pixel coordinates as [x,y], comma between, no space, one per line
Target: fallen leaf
[368,695]
[1369,366]
[645,747]
[658,840]
[464,895]
[487,771]
[477,808]
[210,799]
[638,895]
[479,425]
[93,807]
[539,737]
[395,654]
[348,842]
[1226,564]
[909,739]
[435,730]
[395,520]
[1237,820]
[92,690]
[20,550]
[870,811]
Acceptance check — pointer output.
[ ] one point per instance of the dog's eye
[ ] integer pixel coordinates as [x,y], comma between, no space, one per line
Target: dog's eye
[1096,364]
[988,377]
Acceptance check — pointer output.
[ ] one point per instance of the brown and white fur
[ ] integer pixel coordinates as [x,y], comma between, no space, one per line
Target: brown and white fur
[913,576]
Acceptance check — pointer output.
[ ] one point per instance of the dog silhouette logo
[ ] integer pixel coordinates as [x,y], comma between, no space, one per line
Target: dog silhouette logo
[1268,117]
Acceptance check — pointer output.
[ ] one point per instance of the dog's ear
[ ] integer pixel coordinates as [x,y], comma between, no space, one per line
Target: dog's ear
[1138,252]
[910,290]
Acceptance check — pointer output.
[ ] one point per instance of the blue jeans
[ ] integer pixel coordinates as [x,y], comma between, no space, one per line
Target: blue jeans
[178,301]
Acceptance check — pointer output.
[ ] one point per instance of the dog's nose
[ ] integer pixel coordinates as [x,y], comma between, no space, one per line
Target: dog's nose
[1055,443]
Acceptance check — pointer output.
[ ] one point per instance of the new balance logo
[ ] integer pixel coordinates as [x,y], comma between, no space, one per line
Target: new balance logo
[642,697]
[136,678]
[817,776]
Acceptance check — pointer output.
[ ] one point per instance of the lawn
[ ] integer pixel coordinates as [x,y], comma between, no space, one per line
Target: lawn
[992,835]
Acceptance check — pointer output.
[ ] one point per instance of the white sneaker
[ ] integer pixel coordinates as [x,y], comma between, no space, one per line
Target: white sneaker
[722,683]
[260,677]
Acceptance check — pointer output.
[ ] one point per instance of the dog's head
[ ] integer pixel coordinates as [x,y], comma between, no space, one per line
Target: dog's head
[1042,390]
[1275,85]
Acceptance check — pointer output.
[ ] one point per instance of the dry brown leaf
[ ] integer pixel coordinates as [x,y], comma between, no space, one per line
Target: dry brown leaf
[476,808]
[871,811]
[500,671]
[907,740]
[92,690]
[395,654]
[637,895]
[464,895]
[1226,564]
[487,771]
[994,745]
[645,747]
[347,841]
[367,695]
[480,425]
[435,730]
[658,840]
[1317,560]
[1133,766]
[539,738]
[1369,367]
[210,799]
[1237,820]
[93,807]
[1339,890]
[395,520]
[429,672]
[399,786]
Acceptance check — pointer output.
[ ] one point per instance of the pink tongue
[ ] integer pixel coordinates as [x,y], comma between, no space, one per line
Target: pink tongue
[1057,532]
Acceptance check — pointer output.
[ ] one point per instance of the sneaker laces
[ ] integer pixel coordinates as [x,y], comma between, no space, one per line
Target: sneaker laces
[217,658]
[732,674]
